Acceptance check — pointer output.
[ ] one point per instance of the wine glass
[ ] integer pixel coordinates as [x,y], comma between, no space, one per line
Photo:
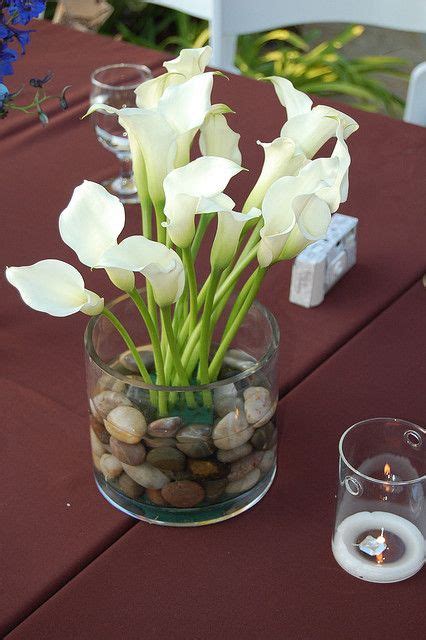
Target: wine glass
[115,85]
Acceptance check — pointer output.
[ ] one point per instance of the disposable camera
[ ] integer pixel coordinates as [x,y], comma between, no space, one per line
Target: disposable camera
[318,267]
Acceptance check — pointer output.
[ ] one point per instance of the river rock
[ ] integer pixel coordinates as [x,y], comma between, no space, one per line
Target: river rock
[126,424]
[214,489]
[146,353]
[98,448]
[183,494]
[244,484]
[226,399]
[111,467]
[195,440]
[154,495]
[146,475]
[268,460]
[131,488]
[100,430]
[133,454]
[164,427]
[234,454]
[154,443]
[167,459]
[106,401]
[232,431]
[264,437]
[96,462]
[107,382]
[242,467]
[257,404]
[140,398]
[207,469]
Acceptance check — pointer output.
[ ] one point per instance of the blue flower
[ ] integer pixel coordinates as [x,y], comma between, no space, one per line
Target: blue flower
[4,95]
[7,56]
[25,10]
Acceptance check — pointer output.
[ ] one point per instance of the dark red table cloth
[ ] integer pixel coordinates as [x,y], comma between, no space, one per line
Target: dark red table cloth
[54,522]
[268,573]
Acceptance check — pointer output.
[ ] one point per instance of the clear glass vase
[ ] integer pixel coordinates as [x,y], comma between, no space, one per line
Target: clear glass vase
[202,462]
[380,527]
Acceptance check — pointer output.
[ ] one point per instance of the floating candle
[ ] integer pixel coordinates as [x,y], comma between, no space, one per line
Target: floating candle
[399,544]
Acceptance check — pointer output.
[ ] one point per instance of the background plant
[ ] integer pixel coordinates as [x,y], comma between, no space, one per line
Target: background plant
[321,69]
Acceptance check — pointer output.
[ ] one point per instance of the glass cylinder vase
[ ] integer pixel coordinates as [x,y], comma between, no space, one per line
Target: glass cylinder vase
[212,453]
[380,526]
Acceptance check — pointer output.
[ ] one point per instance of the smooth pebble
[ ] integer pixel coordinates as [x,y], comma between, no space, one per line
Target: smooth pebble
[98,449]
[183,494]
[106,401]
[268,460]
[146,475]
[164,427]
[133,454]
[128,486]
[264,437]
[225,399]
[242,467]
[147,356]
[154,495]
[154,443]
[232,431]
[244,484]
[126,424]
[167,459]
[207,469]
[111,467]
[100,430]
[234,454]
[257,403]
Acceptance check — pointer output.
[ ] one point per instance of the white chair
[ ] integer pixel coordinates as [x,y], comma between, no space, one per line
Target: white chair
[231,18]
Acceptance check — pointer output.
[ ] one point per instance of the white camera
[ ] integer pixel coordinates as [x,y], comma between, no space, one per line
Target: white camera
[318,267]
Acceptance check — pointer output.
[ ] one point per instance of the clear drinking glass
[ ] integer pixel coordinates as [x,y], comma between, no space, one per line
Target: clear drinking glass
[380,527]
[115,85]
[198,462]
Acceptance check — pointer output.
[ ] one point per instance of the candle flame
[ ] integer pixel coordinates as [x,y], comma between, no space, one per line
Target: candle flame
[379,558]
[387,469]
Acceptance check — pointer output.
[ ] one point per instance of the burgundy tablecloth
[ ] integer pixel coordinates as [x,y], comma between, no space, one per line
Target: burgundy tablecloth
[47,542]
[268,573]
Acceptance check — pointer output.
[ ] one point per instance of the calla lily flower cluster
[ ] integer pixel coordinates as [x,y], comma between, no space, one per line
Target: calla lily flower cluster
[289,207]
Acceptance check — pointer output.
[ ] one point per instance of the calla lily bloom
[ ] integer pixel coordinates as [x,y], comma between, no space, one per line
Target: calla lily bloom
[160,265]
[229,227]
[90,224]
[216,136]
[309,127]
[163,134]
[189,63]
[281,159]
[293,202]
[54,287]
[196,188]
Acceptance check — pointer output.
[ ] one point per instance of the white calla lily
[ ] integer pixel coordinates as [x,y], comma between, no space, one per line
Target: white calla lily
[293,202]
[196,188]
[90,224]
[189,63]
[281,159]
[309,127]
[54,287]
[216,136]
[229,227]
[160,133]
[160,265]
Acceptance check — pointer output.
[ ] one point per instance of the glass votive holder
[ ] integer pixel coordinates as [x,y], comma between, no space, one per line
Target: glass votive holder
[380,527]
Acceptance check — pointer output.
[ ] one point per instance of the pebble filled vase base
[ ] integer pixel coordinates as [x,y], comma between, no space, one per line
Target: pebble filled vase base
[194,517]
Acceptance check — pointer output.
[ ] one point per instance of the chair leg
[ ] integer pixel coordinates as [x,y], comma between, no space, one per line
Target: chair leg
[415,108]
[224,49]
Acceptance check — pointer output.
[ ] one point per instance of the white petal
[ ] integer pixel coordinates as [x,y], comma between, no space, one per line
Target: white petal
[229,227]
[122,279]
[135,253]
[313,220]
[91,222]
[94,304]
[338,191]
[190,62]
[186,105]
[180,218]
[51,286]
[218,139]
[167,282]
[204,177]
[281,159]
[295,101]
[149,93]
[310,131]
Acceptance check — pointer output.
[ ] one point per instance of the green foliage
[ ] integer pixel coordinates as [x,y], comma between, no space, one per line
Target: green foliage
[321,69]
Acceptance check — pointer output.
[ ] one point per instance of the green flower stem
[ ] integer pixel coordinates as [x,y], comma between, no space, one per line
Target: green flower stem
[206,334]
[182,376]
[192,283]
[242,264]
[132,347]
[244,304]
[156,347]
[160,217]
[203,223]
